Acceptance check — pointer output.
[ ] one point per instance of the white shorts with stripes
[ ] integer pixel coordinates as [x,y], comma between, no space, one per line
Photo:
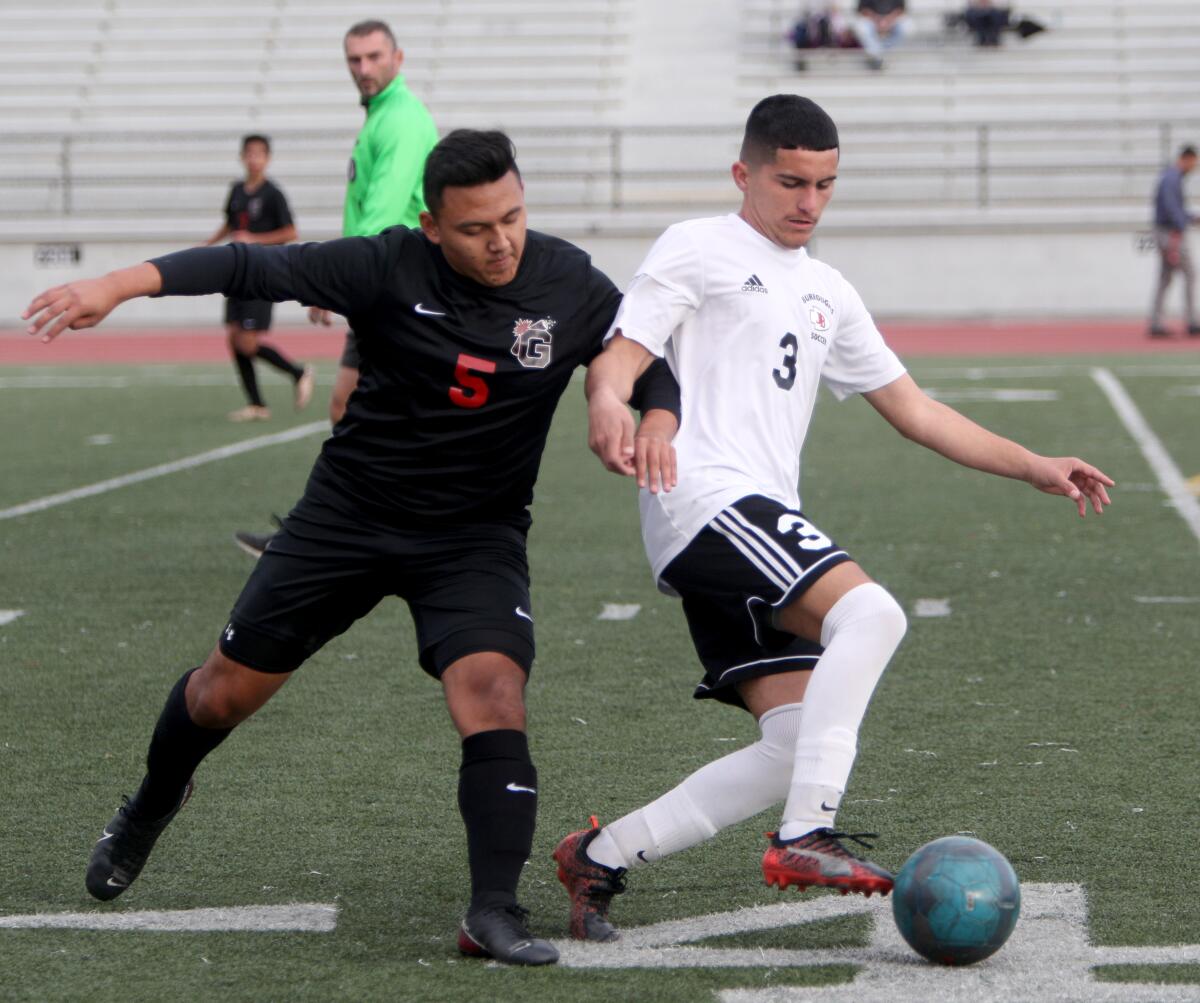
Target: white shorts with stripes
[753,557]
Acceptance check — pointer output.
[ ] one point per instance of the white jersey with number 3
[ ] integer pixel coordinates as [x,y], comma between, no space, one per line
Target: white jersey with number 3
[750,330]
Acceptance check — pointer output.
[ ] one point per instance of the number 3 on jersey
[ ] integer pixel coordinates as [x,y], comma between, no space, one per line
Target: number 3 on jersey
[471,391]
[785,376]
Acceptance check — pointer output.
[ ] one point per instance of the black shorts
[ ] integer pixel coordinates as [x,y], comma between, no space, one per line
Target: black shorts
[249,315]
[350,358]
[754,557]
[467,588]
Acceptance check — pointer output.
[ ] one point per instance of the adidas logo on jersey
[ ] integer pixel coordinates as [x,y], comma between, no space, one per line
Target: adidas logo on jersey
[754,285]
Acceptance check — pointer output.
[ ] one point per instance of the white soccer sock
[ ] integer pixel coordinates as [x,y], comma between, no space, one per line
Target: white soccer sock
[860,634]
[725,791]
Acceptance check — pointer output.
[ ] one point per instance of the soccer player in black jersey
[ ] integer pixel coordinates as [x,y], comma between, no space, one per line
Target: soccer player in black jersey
[256,212]
[470,329]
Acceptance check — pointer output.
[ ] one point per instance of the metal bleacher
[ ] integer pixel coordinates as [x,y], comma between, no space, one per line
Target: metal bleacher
[132,126]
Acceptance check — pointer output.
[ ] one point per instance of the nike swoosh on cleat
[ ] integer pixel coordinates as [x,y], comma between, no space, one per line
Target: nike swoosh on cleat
[107,835]
[117,884]
[828,807]
[428,313]
[642,856]
[518,789]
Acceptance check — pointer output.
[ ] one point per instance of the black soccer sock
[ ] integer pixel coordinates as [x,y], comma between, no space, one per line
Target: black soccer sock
[245,368]
[176,749]
[273,357]
[497,796]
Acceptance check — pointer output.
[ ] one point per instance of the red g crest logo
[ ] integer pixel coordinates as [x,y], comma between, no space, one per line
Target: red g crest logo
[533,343]
[816,317]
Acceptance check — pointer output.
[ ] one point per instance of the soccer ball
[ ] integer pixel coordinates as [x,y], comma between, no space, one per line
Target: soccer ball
[956,900]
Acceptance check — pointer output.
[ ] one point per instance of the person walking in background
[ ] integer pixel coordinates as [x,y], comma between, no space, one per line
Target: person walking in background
[257,212]
[1171,220]
[880,25]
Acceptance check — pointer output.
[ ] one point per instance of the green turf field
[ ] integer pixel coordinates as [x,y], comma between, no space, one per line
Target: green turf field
[1052,712]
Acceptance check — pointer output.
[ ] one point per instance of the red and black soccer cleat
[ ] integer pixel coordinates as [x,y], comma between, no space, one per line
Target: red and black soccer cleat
[590,885]
[819,858]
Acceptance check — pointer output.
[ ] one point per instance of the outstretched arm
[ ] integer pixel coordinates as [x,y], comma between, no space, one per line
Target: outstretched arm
[916,416]
[86,302]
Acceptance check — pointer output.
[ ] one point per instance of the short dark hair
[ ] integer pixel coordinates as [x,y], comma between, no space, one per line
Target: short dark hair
[465,158]
[369,28]
[255,137]
[1188,151]
[786,122]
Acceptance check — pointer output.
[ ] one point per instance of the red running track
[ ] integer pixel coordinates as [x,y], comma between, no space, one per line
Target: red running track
[184,345]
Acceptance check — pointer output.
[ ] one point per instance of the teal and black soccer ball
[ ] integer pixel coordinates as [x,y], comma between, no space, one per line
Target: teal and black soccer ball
[956,900]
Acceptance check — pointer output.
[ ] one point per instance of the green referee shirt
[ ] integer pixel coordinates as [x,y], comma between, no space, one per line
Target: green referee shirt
[388,163]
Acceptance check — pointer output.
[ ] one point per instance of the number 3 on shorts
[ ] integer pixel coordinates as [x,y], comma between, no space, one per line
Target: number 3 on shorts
[810,538]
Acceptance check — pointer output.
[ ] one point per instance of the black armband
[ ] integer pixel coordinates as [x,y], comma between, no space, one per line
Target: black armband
[197,271]
[656,389]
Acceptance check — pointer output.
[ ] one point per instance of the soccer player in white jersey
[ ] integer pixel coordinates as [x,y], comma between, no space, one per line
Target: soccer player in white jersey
[786,624]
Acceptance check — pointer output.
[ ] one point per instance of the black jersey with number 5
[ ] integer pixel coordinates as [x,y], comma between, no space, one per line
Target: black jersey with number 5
[458,382]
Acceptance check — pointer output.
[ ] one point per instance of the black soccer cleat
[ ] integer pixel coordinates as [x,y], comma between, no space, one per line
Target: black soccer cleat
[590,885]
[499,932]
[120,853]
[255,543]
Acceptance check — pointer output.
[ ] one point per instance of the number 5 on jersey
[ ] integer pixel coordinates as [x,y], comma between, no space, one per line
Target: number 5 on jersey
[472,390]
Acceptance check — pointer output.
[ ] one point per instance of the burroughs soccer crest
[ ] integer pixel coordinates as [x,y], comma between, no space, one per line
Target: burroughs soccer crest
[533,343]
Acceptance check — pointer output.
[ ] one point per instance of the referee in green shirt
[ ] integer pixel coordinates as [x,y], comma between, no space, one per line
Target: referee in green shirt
[384,175]
[384,181]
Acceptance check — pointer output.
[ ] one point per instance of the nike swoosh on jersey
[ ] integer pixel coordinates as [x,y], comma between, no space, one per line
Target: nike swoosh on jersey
[521,613]
[518,789]
[420,308]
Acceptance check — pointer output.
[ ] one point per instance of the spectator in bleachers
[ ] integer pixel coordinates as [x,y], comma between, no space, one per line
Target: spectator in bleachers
[825,27]
[880,25]
[257,212]
[987,23]
[1171,220]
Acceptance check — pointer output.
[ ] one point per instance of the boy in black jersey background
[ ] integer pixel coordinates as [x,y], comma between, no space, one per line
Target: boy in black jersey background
[257,212]
[470,329]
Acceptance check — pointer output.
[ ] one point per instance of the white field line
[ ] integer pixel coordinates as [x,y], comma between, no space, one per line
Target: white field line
[1169,476]
[619,611]
[9,615]
[53,381]
[306,917]
[163,469]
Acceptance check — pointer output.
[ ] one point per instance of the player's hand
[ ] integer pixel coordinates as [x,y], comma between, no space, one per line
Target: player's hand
[653,454]
[75,305]
[318,316]
[610,433]
[1070,476]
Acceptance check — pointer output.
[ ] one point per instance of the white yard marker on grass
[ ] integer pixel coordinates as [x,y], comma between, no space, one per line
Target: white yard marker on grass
[303,917]
[1169,476]
[1167,600]
[619,611]
[1049,957]
[9,615]
[965,395]
[931,607]
[163,469]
